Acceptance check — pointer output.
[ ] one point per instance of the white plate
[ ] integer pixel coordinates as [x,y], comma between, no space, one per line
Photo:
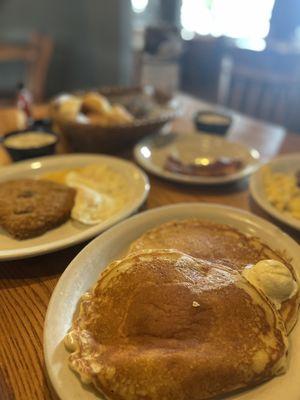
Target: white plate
[152,152]
[84,270]
[71,232]
[287,163]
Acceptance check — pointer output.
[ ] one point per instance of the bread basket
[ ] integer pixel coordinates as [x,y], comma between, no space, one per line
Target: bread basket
[93,137]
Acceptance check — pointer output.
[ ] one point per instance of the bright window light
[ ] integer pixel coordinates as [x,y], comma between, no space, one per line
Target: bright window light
[139,6]
[248,19]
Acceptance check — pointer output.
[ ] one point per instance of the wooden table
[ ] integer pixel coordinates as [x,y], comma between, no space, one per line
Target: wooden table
[26,286]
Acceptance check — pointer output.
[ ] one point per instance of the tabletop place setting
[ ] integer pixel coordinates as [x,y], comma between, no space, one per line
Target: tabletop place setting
[149,235]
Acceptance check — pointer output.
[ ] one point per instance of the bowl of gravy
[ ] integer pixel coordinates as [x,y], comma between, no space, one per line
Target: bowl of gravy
[29,143]
[212,122]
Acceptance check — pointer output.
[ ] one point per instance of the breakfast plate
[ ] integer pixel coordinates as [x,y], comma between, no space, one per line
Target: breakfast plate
[285,164]
[72,231]
[201,150]
[84,270]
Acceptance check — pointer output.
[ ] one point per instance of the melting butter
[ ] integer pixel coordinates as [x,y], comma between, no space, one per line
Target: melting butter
[274,279]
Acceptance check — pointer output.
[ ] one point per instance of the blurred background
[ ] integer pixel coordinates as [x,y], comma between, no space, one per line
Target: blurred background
[244,54]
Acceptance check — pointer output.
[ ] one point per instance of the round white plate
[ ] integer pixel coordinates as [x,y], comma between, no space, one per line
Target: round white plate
[151,153]
[84,270]
[71,232]
[287,163]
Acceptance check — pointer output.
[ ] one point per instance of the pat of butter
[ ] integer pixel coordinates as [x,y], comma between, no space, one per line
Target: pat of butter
[274,279]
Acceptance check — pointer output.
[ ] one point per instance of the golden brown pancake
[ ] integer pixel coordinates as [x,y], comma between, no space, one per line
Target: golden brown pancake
[156,326]
[211,241]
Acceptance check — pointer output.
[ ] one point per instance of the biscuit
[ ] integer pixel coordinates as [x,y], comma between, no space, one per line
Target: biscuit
[30,207]
[94,102]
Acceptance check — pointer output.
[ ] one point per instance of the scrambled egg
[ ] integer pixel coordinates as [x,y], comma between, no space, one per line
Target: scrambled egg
[282,191]
[100,192]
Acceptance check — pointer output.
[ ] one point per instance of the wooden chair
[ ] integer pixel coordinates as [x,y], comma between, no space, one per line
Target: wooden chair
[261,91]
[36,56]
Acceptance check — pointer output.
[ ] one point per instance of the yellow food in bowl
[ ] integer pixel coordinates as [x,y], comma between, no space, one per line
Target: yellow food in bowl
[65,107]
[91,108]
[28,140]
[95,103]
[282,191]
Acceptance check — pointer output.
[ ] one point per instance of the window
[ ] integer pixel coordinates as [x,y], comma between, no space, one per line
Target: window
[242,19]
[139,6]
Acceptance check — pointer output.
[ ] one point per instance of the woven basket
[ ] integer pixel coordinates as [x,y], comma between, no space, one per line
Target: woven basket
[96,138]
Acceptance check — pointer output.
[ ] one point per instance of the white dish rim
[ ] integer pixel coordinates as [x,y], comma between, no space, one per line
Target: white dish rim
[260,198]
[197,180]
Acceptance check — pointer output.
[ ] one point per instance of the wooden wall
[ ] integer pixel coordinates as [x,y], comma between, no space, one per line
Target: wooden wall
[92,39]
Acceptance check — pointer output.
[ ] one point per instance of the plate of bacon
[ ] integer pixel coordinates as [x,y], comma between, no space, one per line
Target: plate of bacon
[196,159]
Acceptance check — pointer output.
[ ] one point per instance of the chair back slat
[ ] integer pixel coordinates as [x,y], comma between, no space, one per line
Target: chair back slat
[36,56]
[259,92]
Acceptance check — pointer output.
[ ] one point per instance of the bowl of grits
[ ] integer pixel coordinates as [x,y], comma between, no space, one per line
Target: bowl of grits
[212,122]
[29,143]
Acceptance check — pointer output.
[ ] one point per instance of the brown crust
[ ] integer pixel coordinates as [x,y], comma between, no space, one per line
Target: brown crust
[206,239]
[30,207]
[213,241]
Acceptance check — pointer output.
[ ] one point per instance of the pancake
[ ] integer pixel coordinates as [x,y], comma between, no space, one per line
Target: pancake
[156,326]
[211,241]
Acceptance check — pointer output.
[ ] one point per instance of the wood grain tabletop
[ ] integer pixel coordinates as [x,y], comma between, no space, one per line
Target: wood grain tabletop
[26,285]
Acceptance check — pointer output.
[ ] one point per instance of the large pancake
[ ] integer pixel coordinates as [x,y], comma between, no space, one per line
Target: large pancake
[211,241]
[156,326]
